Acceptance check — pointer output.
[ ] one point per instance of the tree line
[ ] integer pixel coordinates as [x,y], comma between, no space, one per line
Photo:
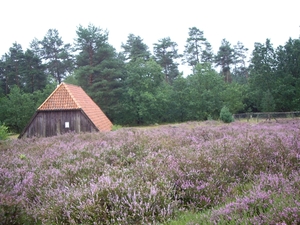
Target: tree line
[137,86]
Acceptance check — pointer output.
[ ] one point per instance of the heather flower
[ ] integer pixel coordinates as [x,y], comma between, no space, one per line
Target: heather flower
[248,173]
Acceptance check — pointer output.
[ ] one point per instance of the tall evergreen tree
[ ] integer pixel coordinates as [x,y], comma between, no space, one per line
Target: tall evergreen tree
[240,70]
[225,58]
[25,70]
[56,55]
[166,54]
[35,47]
[92,47]
[287,91]
[197,48]
[99,69]
[34,76]
[207,53]
[262,72]
[263,62]
[3,77]
[135,48]
[14,64]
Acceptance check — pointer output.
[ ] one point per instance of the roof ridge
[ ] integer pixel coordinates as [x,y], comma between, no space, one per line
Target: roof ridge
[71,94]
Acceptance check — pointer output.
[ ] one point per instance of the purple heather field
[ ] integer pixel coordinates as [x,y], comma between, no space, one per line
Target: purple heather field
[237,173]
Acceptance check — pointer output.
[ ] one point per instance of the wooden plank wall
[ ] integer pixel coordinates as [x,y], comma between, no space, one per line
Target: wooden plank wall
[51,123]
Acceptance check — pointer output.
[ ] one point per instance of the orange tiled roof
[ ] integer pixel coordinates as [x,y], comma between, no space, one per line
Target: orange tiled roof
[67,96]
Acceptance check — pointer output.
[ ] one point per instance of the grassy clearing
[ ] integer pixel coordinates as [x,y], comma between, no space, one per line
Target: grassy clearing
[189,173]
[190,218]
[13,136]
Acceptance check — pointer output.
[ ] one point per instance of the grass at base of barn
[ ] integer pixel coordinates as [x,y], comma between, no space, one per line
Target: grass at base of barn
[190,173]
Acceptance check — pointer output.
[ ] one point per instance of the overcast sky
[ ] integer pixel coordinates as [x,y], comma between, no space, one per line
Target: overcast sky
[247,21]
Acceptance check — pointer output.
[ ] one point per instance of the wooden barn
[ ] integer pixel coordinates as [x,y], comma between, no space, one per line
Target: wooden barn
[68,108]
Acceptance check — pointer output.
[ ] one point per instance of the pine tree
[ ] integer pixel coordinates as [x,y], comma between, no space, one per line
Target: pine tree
[14,64]
[135,48]
[240,70]
[262,72]
[225,58]
[34,76]
[100,70]
[56,55]
[197,48]
[166,54]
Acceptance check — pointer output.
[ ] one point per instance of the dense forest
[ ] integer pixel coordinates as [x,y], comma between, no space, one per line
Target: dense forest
[137,86]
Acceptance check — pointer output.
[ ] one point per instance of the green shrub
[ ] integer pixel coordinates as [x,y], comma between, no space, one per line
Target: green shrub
[3,132]
[116,127]
[225,115]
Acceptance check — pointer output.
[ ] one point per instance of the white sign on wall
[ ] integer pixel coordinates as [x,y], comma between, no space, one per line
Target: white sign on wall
[67,125]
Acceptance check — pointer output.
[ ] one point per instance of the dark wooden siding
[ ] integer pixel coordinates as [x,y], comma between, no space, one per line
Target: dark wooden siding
[51,123]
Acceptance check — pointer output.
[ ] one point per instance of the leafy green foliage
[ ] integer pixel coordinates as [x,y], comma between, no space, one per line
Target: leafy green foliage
[116,127]
[3,132]
[233,96]
[142,83]
[225,115]
[129,87]
[179,97]
[267,102]
[38,97]
[205,89]
[16,109]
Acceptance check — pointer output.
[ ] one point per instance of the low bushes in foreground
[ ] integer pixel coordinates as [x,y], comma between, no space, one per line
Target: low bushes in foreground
[3,132]
[238,172]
